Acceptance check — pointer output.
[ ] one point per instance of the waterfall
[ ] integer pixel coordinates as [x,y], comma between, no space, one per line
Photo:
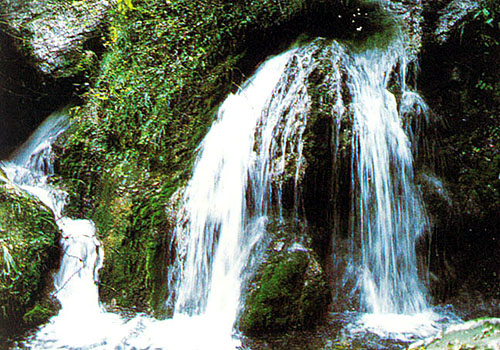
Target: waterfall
[235,188]
[229,198]
[80,321]
[219,235]
[224,223]
[216,245]
[389,215]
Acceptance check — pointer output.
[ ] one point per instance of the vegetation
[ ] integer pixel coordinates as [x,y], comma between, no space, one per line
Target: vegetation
[28,252]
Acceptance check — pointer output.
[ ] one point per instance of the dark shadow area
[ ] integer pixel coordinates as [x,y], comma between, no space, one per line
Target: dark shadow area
[353,21]
[26,97]
[458,79]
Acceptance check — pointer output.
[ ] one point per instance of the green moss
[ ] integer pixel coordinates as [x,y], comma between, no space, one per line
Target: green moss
[40,313]
[291,293]
[377,29]
[29,252]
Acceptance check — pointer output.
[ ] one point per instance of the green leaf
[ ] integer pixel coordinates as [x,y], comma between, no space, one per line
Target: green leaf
[8,261]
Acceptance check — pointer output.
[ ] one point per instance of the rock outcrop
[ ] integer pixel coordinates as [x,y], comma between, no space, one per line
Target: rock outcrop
[451,16]
[55,33]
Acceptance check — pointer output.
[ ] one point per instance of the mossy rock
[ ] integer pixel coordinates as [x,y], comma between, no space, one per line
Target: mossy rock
[29,253]
[480,334]
[135,228]
[290,293]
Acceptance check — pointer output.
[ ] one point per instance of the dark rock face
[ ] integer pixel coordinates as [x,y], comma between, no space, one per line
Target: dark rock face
[26,98]
[459,79]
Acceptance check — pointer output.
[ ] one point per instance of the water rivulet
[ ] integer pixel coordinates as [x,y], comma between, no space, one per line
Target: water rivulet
[257,141]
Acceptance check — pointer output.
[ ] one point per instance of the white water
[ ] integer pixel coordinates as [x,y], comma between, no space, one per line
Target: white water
[218,236]
[389,213]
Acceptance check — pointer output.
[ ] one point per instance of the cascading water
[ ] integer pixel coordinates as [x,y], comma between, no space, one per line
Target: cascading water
[389,213]
[215,236]
[80,321]
[391,216]
[226,204]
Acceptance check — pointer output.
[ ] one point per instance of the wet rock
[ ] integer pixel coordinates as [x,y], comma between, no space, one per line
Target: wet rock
[409,12]
[54,33]
[29,253]
[290,292]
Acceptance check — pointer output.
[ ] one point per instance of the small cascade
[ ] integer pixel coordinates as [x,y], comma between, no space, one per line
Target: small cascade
[80,321]
[390,212]
[215,203]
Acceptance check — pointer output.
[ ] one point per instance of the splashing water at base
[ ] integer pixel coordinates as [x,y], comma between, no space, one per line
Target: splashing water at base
[398,326]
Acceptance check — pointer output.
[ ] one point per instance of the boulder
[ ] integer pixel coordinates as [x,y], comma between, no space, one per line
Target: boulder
[483,333]
[55,33]
[290,292]
[29,253]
